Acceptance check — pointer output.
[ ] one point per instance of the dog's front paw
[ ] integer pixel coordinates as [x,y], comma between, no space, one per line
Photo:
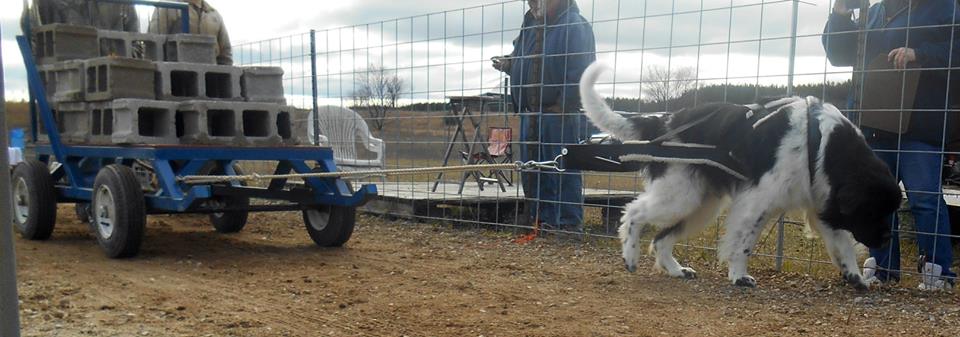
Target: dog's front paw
[856,281]
[687,273]
[745,281]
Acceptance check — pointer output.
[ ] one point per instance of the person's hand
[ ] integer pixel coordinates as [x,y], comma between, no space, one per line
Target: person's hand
[900,57]
[840,7]
[501,63]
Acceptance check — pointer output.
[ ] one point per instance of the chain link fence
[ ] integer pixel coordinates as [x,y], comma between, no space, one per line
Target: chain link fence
[427,87]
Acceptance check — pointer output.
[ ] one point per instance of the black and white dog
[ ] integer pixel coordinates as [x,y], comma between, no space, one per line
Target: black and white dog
[847,192]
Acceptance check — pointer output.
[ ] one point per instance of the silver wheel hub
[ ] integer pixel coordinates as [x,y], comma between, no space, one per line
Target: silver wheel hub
[21,201]
[105,212]
[318,220]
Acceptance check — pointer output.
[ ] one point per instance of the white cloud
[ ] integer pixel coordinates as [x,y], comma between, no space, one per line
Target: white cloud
[475,32]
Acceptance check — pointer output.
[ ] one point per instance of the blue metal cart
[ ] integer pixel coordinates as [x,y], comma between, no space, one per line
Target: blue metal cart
[115,199]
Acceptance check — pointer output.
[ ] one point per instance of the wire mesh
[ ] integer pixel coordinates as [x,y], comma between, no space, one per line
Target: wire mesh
[426,86]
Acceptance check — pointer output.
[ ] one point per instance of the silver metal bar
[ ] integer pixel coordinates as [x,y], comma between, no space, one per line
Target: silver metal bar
[9,302]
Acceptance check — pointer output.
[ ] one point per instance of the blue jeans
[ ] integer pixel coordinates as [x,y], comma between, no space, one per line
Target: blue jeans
[920,174]
[556,198]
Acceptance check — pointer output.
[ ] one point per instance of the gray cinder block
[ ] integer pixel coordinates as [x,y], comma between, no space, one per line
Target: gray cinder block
[63,81]
[263,84]
[188,81]
[61,42]
[48,76]
[190,48]
[73,122]
[231,123]
[131,45]
[137,121]
[110,78]
[209,122]
[191,124]
[292,125]
[101,122]
[69,81]
[259,124]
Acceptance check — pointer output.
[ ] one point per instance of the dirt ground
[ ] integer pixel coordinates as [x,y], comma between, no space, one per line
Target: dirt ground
[409,279]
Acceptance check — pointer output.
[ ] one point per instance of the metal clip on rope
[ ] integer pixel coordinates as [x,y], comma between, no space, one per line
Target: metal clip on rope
[548,165]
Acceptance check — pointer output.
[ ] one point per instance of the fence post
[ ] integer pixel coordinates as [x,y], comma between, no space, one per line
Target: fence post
[313,77]
[9,302]
[781,227]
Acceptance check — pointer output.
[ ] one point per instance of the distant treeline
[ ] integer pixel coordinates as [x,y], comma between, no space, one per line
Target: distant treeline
[831,92]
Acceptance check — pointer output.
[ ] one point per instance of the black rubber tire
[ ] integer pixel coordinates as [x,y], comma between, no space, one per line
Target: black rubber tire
[339,225]
[130,215]
[229,222]
[41,200]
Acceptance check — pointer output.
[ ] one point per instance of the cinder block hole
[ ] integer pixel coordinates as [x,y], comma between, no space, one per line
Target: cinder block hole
[145,50]
[96,122]
[107,122]
[46,44]
[256,123]
[284,125]
[170,52]
[92,79]
[184,84]
[58,117]
[113,47]
[188,123]
[221,123]
[153,122]
[102,78]
[219,85]
[49,79]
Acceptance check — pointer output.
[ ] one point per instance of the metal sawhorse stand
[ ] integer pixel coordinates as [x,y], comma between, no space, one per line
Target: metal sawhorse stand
[461,107]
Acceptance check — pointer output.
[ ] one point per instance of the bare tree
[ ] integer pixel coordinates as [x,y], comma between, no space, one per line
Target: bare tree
[377,91]
[662,85]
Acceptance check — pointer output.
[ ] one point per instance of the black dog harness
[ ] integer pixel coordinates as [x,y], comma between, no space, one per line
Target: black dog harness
[629,156]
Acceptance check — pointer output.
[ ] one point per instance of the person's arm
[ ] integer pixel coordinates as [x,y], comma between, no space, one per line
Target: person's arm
[840,37]
[943,53]
[226,50]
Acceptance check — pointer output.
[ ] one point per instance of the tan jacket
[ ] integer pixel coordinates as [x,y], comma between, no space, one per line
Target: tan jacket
[81,12]
[204,20]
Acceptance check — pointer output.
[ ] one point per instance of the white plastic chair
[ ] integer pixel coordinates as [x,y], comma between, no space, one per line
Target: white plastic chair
[344,129]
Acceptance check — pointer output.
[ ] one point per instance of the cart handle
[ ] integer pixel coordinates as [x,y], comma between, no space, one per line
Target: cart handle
[184,9]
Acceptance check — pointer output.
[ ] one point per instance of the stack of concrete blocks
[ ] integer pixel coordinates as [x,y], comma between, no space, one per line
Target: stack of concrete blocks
[110,87]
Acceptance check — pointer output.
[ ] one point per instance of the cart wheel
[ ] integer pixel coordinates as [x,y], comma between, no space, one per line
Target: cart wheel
[34,200]
[330,226]
[83,211]
[228,222]
[119,213]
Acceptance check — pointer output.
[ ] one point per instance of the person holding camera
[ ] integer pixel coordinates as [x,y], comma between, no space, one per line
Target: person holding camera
[919,40]
[555,46]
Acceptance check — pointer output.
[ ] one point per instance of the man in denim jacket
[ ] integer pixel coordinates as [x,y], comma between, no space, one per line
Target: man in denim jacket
[925,34]
[555,46]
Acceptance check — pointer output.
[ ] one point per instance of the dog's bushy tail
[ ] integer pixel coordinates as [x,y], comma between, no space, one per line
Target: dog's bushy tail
[597,109]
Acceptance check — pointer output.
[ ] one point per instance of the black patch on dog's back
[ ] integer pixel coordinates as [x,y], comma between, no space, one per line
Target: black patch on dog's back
[729,129]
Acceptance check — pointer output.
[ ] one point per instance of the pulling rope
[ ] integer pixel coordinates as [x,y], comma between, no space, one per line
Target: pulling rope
[518,166]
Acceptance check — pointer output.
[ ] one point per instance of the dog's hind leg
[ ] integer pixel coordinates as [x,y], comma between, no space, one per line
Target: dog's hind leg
[840,245]
[668,200]
[663,243]
[748,215]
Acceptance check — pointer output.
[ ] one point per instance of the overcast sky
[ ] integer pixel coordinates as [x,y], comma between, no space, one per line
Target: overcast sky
[446,52]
